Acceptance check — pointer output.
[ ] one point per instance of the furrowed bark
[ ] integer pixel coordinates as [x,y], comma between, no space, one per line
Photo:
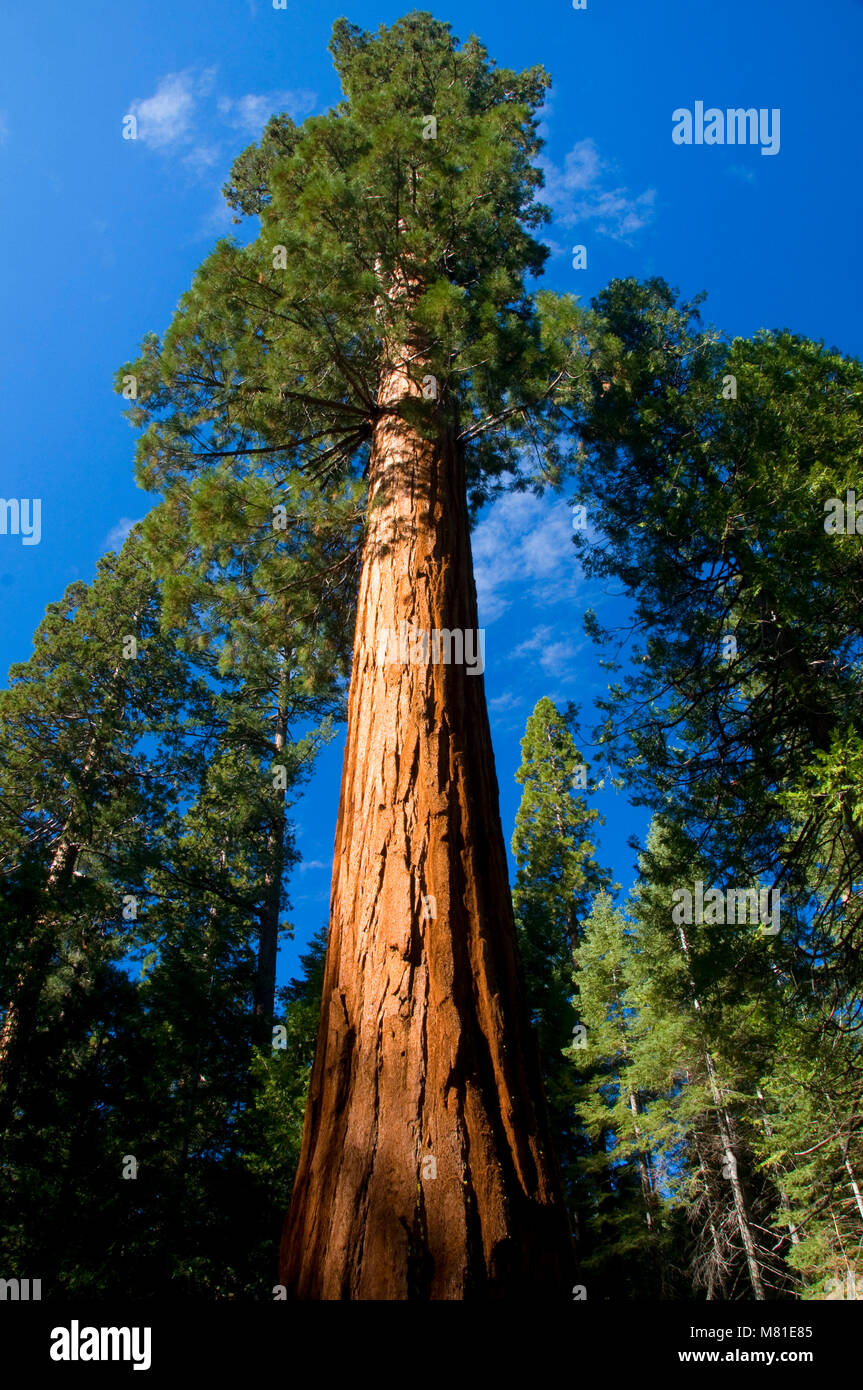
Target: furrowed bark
[424,1052]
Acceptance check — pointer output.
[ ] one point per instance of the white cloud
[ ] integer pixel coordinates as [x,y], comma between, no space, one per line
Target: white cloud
[544,113]
[508,700]
[167,119]
[217,222]
[183,115]
[203,157]
[556,657]
[118,533]
[308,864]
[579,192]
[524,545]
[251,112]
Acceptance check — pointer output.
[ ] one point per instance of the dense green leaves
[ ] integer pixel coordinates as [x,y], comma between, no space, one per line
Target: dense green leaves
[148,1127]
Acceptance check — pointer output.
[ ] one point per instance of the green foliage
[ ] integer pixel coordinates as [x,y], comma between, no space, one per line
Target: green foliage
[557,874]
[147,779]
[710,509]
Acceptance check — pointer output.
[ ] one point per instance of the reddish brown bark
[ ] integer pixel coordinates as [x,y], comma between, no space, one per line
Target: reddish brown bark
[423,1050]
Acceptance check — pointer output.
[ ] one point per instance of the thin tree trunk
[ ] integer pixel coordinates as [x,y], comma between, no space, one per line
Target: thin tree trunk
[724,1124]
[425,1169]
[643,1165]
[268,934]
[642,1156]
[858,1198]
[741,1206]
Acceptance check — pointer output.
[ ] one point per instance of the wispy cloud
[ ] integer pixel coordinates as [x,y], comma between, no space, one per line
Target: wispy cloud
[118,533]
[508,700]
[251,112]
[309,864]
[583,190]
[217,221]
[166,120]
[523,547]
[740,171]
[557,656]
[182,117]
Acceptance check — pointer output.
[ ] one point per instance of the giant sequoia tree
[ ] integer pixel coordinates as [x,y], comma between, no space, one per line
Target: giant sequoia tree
[378,335]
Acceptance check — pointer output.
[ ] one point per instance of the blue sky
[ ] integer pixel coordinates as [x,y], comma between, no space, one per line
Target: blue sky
[101,235]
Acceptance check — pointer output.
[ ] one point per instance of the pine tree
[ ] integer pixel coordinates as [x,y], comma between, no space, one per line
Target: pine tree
[811,1139]
[632,1225]
[557,874]
[707,1001]
[708,468]
[141,1094]
[82,801]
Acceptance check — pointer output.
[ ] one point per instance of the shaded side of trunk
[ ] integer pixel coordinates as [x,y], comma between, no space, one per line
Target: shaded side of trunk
[425,1169]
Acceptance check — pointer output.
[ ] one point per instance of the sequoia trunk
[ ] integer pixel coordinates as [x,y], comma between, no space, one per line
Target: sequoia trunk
[425,1169]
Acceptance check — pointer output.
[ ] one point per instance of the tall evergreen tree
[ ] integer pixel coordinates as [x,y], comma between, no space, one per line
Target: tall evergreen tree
[140,1093]
[714,472]
[706,996]
[557,875]
[632,1226]
[82,796]
[708,468]
[379,330]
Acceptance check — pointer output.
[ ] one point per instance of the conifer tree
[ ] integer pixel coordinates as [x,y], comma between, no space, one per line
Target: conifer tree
[132,1036]
[631,1224]
[82,801]
[708,468]
[811,1139]
[557,875]
[378,335]
[705,995]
